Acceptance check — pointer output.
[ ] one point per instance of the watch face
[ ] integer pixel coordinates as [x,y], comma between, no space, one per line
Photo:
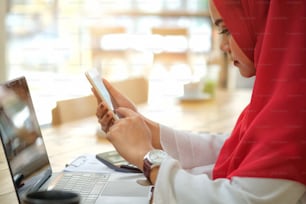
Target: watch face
[157,156]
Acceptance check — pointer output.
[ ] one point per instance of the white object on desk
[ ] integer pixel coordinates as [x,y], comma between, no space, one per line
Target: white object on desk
[87,163]
[198,97]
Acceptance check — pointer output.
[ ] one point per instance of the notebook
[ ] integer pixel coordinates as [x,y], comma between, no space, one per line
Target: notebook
[28,161]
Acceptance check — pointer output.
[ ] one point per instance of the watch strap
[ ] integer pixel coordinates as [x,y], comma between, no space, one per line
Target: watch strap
[151,160]
[147,169]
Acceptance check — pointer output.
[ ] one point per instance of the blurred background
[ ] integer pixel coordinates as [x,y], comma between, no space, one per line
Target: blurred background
[52,43]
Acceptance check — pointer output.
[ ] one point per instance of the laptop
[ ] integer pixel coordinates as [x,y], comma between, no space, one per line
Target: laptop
[29,165]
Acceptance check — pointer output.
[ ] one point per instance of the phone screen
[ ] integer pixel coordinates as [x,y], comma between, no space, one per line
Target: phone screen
[95,80]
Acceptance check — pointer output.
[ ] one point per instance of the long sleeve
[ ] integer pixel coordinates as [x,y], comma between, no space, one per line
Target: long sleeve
[178,183]
[177,186]
[193,151]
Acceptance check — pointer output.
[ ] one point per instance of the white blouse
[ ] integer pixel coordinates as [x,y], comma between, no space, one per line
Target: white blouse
[186,176]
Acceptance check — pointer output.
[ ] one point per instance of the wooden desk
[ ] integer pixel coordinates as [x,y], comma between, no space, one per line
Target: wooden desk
[215,115]
[65,142]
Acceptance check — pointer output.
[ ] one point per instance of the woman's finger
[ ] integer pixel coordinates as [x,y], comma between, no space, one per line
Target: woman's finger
[125,112]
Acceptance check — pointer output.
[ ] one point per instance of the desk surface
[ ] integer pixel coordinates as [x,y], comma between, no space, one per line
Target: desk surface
[67,141]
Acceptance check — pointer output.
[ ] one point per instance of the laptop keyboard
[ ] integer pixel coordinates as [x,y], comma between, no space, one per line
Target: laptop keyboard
[88,185]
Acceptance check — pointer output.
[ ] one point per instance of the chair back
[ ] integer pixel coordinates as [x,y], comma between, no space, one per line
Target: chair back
[74,109]
[135,88]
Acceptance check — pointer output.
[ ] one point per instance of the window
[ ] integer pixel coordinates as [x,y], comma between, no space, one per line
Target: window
[49,41]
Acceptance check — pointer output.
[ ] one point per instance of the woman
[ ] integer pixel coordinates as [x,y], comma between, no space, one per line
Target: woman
[263,159]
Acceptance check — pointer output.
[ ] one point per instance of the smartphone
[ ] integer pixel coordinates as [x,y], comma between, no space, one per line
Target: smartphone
[96,82]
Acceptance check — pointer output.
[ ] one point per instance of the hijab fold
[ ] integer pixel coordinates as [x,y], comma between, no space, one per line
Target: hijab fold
[269,139]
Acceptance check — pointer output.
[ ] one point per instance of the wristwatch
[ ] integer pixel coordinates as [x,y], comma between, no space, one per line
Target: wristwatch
[151,160]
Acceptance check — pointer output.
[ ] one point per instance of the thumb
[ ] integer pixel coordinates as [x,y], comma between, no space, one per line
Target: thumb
[113,91]
[125,112]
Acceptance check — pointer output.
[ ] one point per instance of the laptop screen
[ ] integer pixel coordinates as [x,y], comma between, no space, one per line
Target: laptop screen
[20,132]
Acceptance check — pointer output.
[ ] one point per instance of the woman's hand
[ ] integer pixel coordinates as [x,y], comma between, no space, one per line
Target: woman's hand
[131,136]
[118,99]
[105,116]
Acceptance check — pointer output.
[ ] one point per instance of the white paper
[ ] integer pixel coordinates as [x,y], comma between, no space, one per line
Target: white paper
[87,163]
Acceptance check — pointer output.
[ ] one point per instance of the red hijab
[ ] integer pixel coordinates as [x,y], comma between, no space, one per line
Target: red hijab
[269,139]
